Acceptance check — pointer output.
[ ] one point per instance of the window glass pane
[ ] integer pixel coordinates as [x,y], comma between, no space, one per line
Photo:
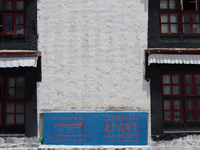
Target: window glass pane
[0,108]
[10,119]
[172,4]
[198,104]
[188,79]
[20,108]
[176,90]
[173,18]
[19,19]
[19,119]
[196,28]
[19,29]
[166,79]
[0,119]
[197,79]
[11,82]
[163,4]
[1,88]
[195,17]
[164,18]
[7,18]
[198,90]
[174,28]
[177,104]
[7,29]
[20,82]
[11,93]
[186,18]
[198,115]
[190,105]
[186,28]
[165,28]
[167,90]
[20,5]
[178,115]
[10,108]
[168,115]
[189,90]
[8,5]
[175,79]
[1,5]
[20,93]
[190,116]
[167,105]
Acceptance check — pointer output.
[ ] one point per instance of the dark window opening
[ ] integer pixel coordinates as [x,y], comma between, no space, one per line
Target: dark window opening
[190,4]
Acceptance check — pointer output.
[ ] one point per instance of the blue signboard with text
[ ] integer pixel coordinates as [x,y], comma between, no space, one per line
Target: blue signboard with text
[95,128]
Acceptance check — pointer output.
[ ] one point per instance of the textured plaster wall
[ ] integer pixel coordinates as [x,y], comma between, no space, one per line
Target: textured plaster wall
[92,54]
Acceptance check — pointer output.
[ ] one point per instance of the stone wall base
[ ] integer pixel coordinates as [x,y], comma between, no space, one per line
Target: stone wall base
[16,143]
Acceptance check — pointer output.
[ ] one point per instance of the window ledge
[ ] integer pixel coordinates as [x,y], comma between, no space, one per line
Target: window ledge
[12,135]
[174,132]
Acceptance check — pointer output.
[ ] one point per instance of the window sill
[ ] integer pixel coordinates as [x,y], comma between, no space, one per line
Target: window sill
[12,135]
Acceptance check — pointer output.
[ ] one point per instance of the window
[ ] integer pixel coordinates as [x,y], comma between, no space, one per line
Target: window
[12,104]
[181,105]
[171,23]
[12,16]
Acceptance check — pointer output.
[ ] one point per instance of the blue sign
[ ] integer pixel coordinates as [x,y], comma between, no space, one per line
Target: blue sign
[95,128]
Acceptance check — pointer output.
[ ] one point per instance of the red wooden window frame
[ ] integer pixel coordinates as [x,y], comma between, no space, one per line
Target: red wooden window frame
[191,23]
[15,3]
[177,4]
[171,84]
[193,84]
[15,87]
[14,113]
[169,23]
[195,110]
[172,110]
[13,24]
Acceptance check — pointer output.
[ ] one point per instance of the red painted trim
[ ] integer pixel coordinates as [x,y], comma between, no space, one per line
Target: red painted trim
[14,113]
[171,84]
[173,110]
[175,51]
[18,54]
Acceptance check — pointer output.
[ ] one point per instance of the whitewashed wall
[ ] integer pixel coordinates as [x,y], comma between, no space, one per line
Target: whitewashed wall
[92,54]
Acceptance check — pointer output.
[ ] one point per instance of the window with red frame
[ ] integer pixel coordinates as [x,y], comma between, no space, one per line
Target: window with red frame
[13,5]
[191,23]
[14,113]
[170,23]
[168,4]
[173,110]
[193,110]
[192,84]
[15,88]
[12,16]
[171,84]
[174,98]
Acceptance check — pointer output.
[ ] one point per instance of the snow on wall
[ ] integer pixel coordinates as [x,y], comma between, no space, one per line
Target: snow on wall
[93,54]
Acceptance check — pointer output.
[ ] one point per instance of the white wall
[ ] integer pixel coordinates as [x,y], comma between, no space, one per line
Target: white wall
[92,54]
